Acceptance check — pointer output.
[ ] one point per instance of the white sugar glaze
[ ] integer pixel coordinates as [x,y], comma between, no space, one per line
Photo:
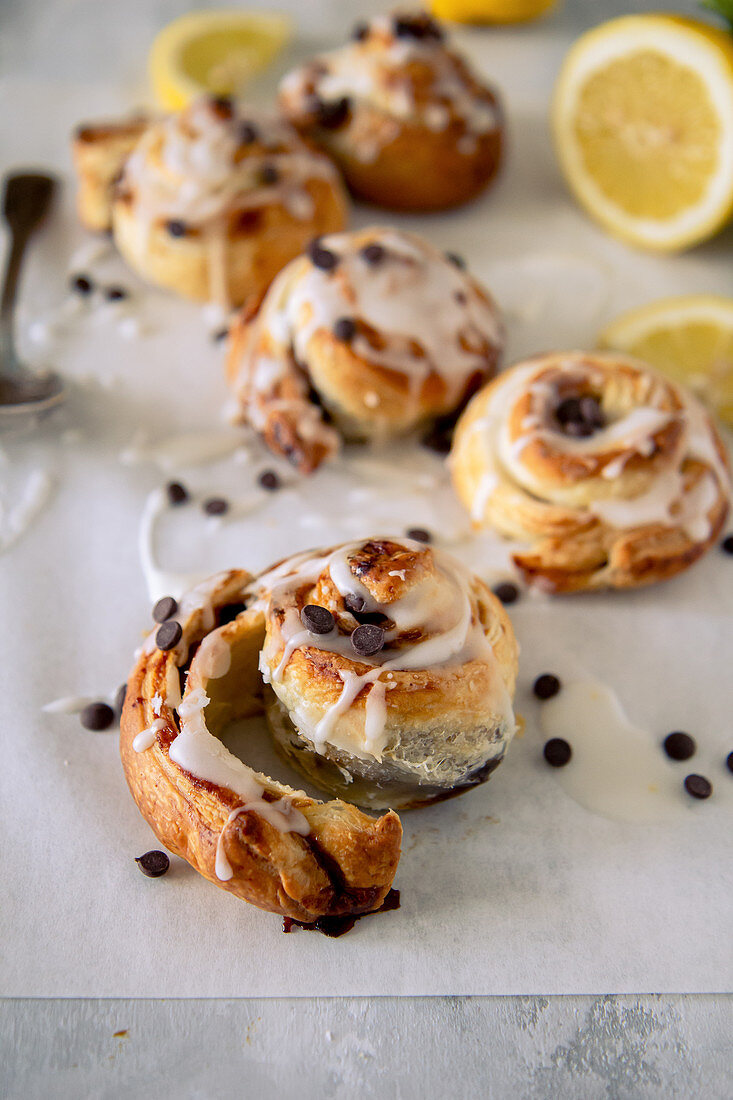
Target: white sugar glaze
[146,738]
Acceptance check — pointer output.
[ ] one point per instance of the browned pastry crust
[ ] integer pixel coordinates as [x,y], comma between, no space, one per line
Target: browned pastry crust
[100,150]
[346,862]
[636,500]
[418,138]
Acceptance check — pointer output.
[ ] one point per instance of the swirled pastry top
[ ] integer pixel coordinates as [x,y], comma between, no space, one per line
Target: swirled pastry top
[411,639]
[399,67]
[218,157]
[594,444]
[402,307]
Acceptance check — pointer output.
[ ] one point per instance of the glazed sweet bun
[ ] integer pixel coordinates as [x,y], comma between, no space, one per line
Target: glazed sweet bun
[408,123]
[99,150]
[392,670]
[262,841]
[368,335]
[214,201]
[613,475]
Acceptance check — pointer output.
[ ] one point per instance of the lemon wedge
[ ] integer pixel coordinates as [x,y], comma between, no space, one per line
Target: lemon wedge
[490,11]
[643,125]
[213,51]
[690,339]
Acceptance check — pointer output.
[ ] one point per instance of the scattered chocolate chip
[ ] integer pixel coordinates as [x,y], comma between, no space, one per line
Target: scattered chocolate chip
[373,253]
[215,506]
[153,864]
[176,493]
[317,619]
[417,26]
[248,133]
[168,634]
[456,260]
[120,698]
[698,786]
[506,592]
[360,32]
[460,298]
[229,612]
[367,639]
[223,105]
[116,293]
[332,115]
[219,335]
[419,534]
[164,609]
[321,257]
[729,761]
[176,227]
[344,329]
[546,685]
[97,716]
[82,284]
[557,752]
[269,480]
[353,603]
[679,746]
[269,174]
[727,544]
[439,439]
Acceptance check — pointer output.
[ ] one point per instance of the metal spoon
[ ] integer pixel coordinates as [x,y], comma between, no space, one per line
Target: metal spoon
[26,200]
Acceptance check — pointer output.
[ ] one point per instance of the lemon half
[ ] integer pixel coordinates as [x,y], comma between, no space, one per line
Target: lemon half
[216,52]
[490,11]
[690,339]
[643,124]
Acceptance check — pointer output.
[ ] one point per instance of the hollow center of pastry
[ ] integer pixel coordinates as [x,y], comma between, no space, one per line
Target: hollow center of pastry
[580,415]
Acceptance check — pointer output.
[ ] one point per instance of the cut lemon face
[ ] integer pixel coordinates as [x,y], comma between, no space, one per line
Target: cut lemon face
[690,339]
[490,11]
[643,125]
[215,52]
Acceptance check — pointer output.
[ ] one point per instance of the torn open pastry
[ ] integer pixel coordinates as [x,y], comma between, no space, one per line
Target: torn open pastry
[404,117]
[387,672]
[612,474]
[366,336]
[211,202]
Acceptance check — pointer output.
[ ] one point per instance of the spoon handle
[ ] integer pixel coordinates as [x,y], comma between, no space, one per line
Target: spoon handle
[8,357]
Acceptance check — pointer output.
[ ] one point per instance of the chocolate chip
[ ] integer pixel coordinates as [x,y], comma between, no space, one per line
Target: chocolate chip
[729,761]
[321,257]
[269,480]
[506,592]
[419,534]
[727,544]
[223,105]
[438,439]
[97,716]
[360,32]
[153,864]
[269,174]
[698,786]
[176,493]
[332,115]
[215,506]
[353,603]
[679,746]
[229,612]
[168,635]
[373,254]
[317,619]
[164,609]
[460,298]
[219,335]
[418,26]
[546,685]
[116,293]
[176,227]
[120,698]
[248,133]
[367,639]
[557,752]
[344,329]
[456,260]
[81,284]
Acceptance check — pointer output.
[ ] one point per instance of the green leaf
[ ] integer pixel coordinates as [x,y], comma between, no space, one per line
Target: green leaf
[723,8]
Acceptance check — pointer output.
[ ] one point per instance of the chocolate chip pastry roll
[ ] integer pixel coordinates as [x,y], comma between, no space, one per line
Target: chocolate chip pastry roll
[392,671]
[613,475]
[213,201]
[99,150]
[261,840]
[404,117]
[366,336]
